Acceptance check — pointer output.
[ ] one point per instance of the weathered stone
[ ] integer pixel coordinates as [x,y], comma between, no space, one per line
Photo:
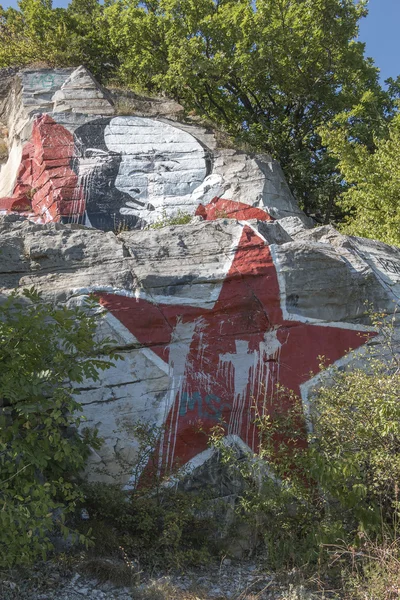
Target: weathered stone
[210,316]
[119,171]
[296,225]
[81,93]
[196,311]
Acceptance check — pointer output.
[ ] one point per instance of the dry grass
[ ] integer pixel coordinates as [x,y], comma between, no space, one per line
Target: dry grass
[166,591]
[224,140]
[3,150]
[125,106]
[119,572]
[131,102]
[371,572]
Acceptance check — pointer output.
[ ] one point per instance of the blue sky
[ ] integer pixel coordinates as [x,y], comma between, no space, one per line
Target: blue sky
[380,31]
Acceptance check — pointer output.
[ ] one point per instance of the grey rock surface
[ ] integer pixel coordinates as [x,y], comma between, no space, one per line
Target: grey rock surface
[155,164]
[210,316]
[324,279]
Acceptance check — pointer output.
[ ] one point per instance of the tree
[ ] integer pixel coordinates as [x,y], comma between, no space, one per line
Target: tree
[270,72]
[372,172]
[57,37]
[44,351]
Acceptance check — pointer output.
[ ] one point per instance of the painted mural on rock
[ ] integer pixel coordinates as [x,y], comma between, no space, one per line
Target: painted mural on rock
[71,159]
[116,173]
[226,356]
[110,173]
[212,317]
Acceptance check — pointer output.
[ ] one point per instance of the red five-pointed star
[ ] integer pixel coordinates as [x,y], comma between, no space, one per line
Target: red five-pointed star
[226,360]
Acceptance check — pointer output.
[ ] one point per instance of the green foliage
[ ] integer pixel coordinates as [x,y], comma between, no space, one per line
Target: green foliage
[164,529]
[270,73]
[373,174]
[57,37]
[278,504]
[181,218]
[344,484]
[44,351]
[156,524]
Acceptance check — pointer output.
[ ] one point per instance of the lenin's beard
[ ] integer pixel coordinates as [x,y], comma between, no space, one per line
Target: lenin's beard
[97,169]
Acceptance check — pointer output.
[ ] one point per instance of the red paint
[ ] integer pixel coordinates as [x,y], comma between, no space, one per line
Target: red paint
[46,188]
[248,307]
[19,204]
[219,208]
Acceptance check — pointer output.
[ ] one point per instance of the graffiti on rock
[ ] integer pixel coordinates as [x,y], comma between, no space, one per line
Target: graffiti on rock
[390,266]
[47,80]
[226,363]
[210,407]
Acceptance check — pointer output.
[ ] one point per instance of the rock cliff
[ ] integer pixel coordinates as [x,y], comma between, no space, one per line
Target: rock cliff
[210,316]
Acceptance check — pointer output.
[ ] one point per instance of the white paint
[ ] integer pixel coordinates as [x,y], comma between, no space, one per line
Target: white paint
[215,290]
[179,349]
[161,165]
[211,187]
[252,377]
[239,365]
[241,361]
[8,171]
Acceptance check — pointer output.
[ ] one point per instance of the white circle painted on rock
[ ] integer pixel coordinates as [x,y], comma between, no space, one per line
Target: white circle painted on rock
[161,165]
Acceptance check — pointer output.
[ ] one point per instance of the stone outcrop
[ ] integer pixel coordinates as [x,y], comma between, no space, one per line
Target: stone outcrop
[120,171]
[211,316]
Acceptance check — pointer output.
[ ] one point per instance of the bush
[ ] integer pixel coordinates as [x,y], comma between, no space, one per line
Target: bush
[155,525]
[344,484]
[165,529]
[44,350]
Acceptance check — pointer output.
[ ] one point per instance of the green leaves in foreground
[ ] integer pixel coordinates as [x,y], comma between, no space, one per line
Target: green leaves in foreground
[44,351]
[342,486]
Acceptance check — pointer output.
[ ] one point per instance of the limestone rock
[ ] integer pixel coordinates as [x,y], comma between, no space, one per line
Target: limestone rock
[210,316]
[81,93]
[116,172]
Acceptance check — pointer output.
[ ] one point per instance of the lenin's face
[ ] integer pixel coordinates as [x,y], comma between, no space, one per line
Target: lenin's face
[133,169]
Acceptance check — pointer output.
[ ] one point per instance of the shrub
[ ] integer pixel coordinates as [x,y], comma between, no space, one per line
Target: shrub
[355,445]
[181,218]
[44,350]
[344,484]
[157,524]
[164,529]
